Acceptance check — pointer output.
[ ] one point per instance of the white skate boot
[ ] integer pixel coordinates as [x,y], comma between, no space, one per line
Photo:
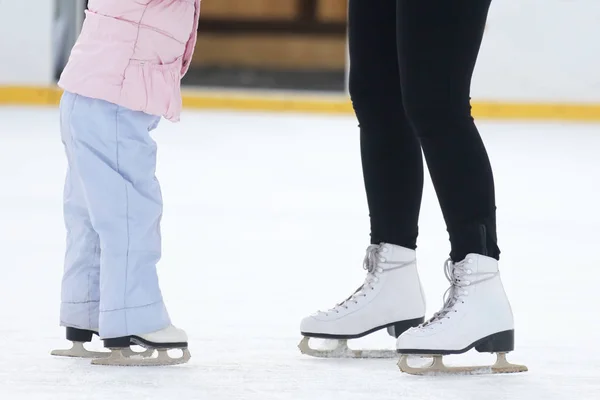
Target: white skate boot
[390,297]
[169,338]
[476,313]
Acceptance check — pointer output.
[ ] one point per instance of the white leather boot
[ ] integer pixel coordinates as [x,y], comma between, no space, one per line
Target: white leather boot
[476,313]
[391,297]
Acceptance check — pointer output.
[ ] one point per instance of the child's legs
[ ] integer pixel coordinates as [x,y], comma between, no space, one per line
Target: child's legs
[116,159]
[80,292]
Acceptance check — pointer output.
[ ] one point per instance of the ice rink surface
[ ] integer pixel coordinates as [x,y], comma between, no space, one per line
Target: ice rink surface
[265,222]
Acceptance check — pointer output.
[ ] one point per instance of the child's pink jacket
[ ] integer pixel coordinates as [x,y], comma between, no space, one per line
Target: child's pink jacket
[134,53]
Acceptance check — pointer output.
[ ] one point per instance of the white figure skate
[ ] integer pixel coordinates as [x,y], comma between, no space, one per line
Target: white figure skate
[169,338]
[390,297]
[476,314]
[78,338]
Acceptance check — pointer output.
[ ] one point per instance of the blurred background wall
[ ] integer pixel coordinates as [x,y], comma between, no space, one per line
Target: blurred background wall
[289,44]
[535,52]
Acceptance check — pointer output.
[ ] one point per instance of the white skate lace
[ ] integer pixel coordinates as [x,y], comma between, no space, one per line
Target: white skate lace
[370,264]
[455,273]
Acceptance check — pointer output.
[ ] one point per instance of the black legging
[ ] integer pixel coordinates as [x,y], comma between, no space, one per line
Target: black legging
[411,63]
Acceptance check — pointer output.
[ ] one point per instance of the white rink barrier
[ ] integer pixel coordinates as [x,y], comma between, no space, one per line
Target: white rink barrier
[26,43]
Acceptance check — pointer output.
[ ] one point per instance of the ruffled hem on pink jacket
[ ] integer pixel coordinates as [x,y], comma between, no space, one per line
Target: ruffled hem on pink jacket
[134,53]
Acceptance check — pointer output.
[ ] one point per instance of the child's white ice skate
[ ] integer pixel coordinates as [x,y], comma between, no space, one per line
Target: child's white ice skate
[78,338]
[476,314]
[390,297]
[169,338]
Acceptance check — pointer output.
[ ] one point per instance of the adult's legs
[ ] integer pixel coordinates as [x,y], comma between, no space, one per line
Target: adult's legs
[391,296]
[390,152]
[438,44]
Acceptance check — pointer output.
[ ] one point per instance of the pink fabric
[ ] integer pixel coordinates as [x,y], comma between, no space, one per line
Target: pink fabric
[134,53]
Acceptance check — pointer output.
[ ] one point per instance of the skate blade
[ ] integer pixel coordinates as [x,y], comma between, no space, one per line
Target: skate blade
[123,357]
[79,351]
[343,351]
[132,353]
[437,367]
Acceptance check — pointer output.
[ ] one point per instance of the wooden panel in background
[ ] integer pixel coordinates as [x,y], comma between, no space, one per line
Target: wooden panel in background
[271,52]
[272,34]
[272,27]
[249,9]
[332,10]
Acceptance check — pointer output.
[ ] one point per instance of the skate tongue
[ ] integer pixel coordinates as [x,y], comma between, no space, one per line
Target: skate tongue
[451,294]
[370,265]
[438,316]
[351,297]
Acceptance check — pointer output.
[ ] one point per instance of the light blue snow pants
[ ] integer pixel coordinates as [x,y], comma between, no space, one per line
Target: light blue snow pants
[112,212]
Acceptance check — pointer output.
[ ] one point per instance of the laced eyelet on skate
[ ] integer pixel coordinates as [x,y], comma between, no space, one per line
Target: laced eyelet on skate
[452,297]
[375,273]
